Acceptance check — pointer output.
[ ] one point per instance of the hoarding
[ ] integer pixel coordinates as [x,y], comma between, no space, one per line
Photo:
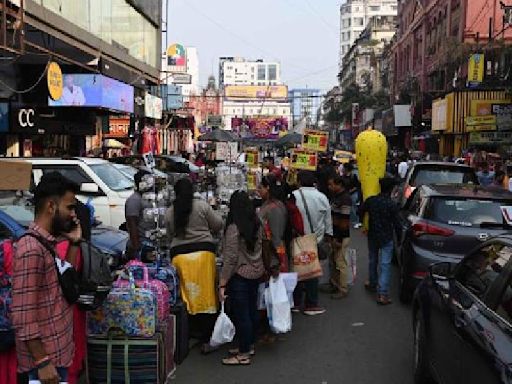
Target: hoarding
[226,151]
[118,127]
[481,120]
[490,137]
[181,78]
[176,58]
[476,70]
[315,140]
[244,92]
[501,109]
[92,90]
[302,159]
[153,106]
[264,127]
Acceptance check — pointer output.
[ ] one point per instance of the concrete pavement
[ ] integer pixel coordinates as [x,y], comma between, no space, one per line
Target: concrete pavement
[355,341]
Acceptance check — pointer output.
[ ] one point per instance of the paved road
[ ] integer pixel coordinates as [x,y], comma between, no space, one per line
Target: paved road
[325,349]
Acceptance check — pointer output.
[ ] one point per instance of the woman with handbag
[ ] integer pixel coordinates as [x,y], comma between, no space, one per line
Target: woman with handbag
[241,273]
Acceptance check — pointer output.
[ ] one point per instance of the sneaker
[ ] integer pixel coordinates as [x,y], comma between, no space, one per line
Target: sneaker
[358,225]
[312,311]
[295,309]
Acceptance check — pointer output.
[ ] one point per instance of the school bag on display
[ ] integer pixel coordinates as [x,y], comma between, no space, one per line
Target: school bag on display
[166,273]
[159,289]
[6,328]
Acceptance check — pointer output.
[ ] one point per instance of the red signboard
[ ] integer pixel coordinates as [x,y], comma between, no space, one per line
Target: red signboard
[118,127]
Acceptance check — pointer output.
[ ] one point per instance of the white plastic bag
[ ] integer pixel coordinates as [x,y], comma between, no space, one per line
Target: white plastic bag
[278,306]
[290,282]
[224,330]
[261,297]
[351,258]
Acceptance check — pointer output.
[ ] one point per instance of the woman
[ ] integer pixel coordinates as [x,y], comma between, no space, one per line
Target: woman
[274,215]
[241,272]
[191,223]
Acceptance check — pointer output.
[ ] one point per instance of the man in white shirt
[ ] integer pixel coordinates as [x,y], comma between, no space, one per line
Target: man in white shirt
[403,167]
[320,212]
[72,94]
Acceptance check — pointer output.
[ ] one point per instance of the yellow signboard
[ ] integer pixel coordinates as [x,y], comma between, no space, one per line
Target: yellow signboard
[482,127]
[306,160]
[315,140]
[54,80]
[481,120]
[256,92]
[439,114]
[476,69]
[251,181]
[252,157]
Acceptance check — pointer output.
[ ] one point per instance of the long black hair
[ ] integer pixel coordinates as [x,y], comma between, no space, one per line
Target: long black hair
[275,188]
[182,205]
[243,214]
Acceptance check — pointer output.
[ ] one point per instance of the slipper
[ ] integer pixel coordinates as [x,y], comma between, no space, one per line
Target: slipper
[237,360]
[236,351]
[383,300]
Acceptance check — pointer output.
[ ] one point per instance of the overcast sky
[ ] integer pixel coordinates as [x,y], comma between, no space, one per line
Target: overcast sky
[301,34]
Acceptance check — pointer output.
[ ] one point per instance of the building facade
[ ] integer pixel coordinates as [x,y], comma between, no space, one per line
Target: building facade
[305,105]
[239,71]
[192,89]
[354,17]
[208,103]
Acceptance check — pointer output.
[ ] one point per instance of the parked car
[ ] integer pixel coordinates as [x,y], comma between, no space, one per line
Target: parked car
[129,170]
[443,223]
[421,173]
[165,163]
[15,219]
[462,319]
[105,187]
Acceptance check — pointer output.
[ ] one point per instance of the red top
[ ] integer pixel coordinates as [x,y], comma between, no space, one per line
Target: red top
[39,310]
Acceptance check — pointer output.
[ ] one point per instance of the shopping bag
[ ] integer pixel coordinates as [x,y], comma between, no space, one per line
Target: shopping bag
[224,330]
[278,306]
[261,296]
[351,258]
[305,257]
[290,282]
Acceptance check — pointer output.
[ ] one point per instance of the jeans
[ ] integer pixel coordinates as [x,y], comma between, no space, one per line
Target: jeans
[243,296]
[383,263]
[354,217]
[63,373]
[310,288]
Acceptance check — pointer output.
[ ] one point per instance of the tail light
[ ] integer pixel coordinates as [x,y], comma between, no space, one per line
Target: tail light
[408,191]
[423,228]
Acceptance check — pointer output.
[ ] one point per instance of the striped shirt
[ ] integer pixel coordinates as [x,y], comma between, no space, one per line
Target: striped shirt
[39,310]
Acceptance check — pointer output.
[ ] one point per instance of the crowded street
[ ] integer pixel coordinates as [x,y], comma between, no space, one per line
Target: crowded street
[355,339]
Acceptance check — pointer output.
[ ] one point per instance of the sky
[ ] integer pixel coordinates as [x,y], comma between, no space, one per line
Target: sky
[303,35]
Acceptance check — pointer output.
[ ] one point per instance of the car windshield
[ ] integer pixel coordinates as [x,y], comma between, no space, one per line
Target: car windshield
[442,175]
[24,215]
[112,177]
[466,212]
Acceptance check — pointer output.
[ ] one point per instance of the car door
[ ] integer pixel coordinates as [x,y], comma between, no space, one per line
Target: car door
[407,216]
[471,327]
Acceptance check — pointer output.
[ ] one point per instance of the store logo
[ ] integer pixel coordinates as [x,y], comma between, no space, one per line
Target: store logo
[26,117]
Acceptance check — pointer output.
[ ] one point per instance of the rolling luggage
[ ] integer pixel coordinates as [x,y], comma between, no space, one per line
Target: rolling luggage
[179,312]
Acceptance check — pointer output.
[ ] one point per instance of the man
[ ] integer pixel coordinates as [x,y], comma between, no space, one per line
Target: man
[499,181]
[268,164]
[353,186]
[71,94]
[42,318]
[135,223]
[320,212]
[340,210]
[383,215]
[485,177]
[403,167]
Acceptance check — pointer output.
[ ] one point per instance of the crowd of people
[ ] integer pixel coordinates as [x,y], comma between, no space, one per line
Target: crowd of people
[50,337]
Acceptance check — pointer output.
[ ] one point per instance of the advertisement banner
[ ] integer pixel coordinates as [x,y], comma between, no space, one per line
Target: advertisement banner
[315,140]
[481,120]
[92,90]
[501,109]
[302,159]
[490,137]
[181,78]
[439,114]
[264,127]
[118,127]
[174,102]
[153,106]
[476,69]
[176,58]
[481,127]
[54,80]
[252,181]
[226,151]
[235,92]
[252,157]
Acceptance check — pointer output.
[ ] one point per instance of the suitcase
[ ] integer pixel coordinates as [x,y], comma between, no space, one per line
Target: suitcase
[159,288]
[179,312]
[123,360]
[132,310]
[168,331]
[165,273]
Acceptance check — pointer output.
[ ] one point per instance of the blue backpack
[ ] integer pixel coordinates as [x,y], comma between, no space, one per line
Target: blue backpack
[6,328]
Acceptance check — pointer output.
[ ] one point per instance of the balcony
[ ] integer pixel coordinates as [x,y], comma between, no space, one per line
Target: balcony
[12,26]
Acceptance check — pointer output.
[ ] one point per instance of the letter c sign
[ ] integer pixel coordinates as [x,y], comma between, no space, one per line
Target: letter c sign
[26,117]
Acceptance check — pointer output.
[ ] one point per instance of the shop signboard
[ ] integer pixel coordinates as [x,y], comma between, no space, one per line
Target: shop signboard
[93,90]
[4,117]
[252,157]
[248,92]
[252,182]
[153,106]
[226,151]
[490,137]
[176,59]
[481,127]
[118,127]
[303,159]
[481,120]
[174,102]
[476,70]
[501,109]
[439,115]
[54,80]
[214,120]
[181,78]
[315,140]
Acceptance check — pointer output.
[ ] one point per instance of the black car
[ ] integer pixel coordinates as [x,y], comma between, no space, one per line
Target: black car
[443,223]
[462,319]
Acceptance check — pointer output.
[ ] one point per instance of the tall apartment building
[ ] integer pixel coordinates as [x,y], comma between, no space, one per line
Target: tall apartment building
[354,17]
[305,104]
[239,71]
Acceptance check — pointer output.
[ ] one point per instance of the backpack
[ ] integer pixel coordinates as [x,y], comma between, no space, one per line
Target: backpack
[6,328]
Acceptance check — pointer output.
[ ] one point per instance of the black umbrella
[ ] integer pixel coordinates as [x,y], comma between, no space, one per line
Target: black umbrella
[290,139]
[218,135]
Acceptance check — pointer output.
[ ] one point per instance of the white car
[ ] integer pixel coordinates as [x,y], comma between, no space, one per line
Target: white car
[101,184]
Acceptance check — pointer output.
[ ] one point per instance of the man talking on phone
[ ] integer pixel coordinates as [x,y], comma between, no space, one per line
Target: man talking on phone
[41,315]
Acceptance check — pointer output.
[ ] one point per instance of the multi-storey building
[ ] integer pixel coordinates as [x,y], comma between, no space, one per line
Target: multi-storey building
[355,15]
[305,104]
[239,71]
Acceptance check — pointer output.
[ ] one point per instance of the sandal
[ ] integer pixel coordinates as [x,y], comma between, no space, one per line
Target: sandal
[383,300]
[237,360]
[236,351]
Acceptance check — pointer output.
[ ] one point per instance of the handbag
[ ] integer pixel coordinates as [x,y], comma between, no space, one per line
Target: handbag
[324,247]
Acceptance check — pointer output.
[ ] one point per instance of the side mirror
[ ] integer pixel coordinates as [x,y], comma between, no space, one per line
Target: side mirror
[89,188]
[441,271]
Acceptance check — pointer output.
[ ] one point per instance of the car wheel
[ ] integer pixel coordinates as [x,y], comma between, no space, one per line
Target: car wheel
[405,288]
[421,364]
